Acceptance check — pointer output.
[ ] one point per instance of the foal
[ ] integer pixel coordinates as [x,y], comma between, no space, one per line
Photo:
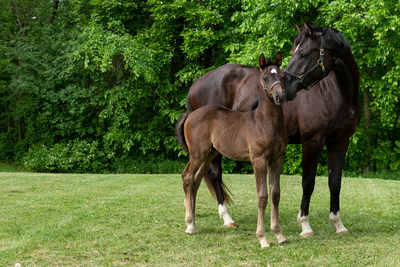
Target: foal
[258,136]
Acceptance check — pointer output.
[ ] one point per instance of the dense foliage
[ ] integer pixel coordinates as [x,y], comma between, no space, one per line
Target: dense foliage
[94,86]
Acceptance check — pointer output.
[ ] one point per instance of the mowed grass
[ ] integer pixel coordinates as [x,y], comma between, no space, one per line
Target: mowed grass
[111,220]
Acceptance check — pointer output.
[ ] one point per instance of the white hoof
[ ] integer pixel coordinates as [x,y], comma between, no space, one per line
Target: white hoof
[264,243]
[192,229]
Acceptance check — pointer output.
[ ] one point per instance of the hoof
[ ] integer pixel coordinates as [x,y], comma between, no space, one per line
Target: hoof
[230,225]
[343,233]
[264,244]
[305,235]
[284,243]
[192,230]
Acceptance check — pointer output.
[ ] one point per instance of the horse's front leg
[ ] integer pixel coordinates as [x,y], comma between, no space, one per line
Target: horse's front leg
[260,172]
[274,170]
[336,155]
[311,152]
[213,179]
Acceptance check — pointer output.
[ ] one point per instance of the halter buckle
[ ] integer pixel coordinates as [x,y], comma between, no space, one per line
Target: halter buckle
[321,52]
[300,79]
[321,63]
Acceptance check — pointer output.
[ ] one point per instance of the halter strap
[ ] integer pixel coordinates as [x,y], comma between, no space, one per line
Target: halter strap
[267,89]
[320,63]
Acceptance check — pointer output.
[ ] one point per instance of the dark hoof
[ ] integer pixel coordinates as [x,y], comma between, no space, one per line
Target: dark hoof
[284,243]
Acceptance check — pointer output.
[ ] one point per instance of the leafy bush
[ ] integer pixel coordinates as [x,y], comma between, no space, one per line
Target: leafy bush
[75,156]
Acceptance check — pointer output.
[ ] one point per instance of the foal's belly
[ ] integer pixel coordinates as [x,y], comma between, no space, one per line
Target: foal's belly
[232,144]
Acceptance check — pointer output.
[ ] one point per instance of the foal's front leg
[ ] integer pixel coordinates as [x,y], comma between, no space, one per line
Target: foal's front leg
[260,172]
[274,170]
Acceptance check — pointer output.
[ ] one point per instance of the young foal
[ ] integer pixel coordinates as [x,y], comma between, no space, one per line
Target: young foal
[257,136]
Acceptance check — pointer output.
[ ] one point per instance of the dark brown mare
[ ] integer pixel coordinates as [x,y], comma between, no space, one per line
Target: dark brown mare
[258,136]
[327,114]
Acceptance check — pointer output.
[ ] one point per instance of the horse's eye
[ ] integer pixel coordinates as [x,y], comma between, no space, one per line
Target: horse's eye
[265,79]
[302,55]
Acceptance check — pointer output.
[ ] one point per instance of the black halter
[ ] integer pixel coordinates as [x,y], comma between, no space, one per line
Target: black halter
[320,62]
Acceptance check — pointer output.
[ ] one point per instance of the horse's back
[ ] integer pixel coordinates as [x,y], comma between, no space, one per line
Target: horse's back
[232,85]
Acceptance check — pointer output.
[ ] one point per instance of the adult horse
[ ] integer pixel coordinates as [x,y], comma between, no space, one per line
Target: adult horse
[258,136]
[328,114]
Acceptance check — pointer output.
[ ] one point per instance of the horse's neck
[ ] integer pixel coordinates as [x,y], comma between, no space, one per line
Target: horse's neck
[347,73]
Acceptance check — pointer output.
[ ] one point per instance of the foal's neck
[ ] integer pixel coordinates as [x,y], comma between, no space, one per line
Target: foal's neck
[269,110]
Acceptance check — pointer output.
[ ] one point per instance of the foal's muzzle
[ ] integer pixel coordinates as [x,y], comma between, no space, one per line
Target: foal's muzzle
[276,92]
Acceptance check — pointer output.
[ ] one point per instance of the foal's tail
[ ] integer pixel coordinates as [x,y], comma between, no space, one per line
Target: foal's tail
[179,134]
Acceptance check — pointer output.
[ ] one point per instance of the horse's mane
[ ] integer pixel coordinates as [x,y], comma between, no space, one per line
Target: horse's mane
[328,33]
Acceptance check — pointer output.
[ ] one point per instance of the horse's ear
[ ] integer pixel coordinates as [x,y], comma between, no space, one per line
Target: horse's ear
[297,27]
[278,60]
[309,29]
[262,62]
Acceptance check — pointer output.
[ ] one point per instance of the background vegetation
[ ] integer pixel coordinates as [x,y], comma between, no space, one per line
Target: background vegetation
[97,85]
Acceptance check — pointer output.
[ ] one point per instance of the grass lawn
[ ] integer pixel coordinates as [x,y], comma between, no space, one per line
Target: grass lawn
[106,220]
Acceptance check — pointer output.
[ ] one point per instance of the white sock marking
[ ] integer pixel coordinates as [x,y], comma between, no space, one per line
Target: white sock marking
[304,222]
[223,213]
[337,222]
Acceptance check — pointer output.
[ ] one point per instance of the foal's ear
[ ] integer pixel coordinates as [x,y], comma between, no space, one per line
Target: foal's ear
[278,60]
[309,29]
[262,62]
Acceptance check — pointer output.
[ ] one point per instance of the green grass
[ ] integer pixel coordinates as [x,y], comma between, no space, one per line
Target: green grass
[107,220]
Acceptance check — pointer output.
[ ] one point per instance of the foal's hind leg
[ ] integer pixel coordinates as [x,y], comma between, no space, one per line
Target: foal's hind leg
[274,170]
[191,178]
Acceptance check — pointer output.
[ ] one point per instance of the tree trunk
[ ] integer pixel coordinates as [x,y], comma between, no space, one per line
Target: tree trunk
[53,11]
[367,123]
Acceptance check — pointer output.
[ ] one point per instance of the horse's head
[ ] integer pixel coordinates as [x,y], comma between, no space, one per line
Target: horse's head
[270,78]
[311,61]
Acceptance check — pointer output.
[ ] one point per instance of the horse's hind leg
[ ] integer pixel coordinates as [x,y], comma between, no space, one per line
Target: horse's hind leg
[274,170]
[213,178]
[336,156]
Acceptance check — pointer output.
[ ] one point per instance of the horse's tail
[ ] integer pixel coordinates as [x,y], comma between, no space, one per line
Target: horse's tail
[225,190]
[179,134]
[211,187]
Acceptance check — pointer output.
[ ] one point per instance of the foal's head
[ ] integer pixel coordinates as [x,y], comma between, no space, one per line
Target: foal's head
[271,79]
